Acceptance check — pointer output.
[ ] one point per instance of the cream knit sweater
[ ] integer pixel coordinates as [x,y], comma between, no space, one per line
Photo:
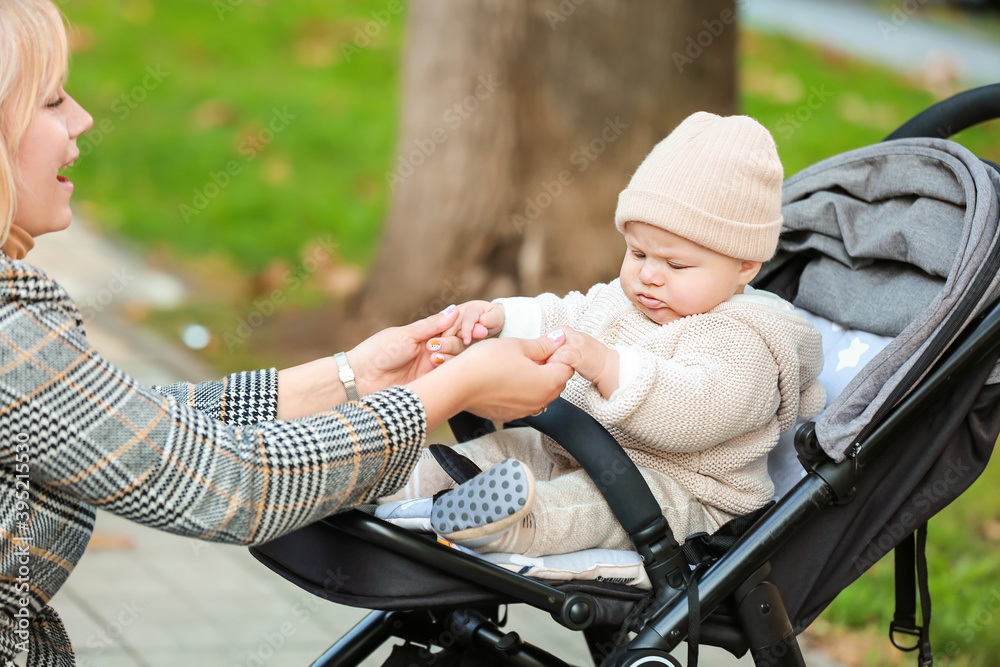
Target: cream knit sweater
[702,399]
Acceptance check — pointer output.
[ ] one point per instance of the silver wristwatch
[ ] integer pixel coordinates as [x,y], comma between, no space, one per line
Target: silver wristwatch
[346,376]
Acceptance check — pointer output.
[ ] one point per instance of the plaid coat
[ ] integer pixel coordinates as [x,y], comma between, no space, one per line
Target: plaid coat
[204,460]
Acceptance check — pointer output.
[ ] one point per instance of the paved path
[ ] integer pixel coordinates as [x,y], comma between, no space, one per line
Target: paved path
[142,598]
[894,35]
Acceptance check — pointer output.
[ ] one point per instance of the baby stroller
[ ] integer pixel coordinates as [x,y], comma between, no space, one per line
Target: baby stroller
[897,241]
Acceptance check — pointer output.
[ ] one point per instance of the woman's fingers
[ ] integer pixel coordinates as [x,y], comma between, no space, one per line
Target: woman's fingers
[558,374]
[541,348]
[522,383]
[434,324]
[447,345]
[443,348]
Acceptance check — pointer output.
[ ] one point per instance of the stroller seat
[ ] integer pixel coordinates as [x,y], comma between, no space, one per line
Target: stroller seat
[382,579]
[929,201]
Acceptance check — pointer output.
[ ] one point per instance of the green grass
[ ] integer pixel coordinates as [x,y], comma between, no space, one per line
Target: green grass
[228,72]
[163,145]
[818,103]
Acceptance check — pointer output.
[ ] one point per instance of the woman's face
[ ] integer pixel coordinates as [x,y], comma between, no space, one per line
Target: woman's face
[48,145]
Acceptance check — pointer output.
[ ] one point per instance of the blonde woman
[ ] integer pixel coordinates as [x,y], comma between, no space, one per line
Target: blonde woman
[241,460]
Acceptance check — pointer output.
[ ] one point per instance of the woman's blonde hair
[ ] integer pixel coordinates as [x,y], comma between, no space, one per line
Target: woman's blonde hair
[33,60]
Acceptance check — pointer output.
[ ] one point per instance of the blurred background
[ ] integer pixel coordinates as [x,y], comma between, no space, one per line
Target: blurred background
[312,170]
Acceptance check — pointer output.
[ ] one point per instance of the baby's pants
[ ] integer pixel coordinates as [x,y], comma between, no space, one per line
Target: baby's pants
[570,514]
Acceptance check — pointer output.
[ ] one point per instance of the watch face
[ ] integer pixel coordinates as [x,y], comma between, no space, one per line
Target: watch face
[345,370]
[346,375]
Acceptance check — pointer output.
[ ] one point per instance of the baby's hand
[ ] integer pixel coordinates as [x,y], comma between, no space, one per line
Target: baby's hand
[477,320]
[591,358]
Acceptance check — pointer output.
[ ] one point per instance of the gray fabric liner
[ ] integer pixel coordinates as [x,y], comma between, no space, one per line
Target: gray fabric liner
[877,310]
[916,191]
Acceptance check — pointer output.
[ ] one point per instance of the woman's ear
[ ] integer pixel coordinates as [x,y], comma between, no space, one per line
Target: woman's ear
[748,271]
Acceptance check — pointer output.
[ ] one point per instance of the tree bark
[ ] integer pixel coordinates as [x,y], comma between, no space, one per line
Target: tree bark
[522,121]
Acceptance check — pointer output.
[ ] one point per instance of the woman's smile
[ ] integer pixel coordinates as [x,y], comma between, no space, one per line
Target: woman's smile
[64,180]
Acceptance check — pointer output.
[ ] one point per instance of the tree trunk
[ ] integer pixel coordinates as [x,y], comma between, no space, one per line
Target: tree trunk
[522,121]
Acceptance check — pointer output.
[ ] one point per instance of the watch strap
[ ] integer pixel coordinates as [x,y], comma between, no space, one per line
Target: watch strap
[346,374]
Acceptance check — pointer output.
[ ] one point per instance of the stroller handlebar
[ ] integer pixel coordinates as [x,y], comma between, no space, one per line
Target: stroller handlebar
[950,116]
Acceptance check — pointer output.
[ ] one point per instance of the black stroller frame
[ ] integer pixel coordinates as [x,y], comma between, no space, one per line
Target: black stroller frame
[730,604]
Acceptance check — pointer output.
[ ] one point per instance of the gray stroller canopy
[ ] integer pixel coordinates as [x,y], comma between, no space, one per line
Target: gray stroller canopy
[901,240]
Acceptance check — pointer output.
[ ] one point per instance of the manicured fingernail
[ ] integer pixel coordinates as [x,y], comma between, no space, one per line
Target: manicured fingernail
[449,309]
[555,335]
[434,344]
[438,359]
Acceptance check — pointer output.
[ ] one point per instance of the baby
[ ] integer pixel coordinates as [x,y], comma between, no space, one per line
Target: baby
[693,372]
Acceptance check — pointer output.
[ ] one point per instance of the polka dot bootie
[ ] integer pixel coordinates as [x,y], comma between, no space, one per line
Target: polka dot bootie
[485,506]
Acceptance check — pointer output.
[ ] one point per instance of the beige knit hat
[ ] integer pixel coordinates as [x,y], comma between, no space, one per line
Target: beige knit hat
[714,180]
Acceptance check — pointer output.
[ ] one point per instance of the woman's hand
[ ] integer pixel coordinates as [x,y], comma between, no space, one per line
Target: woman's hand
[499,379]
[399,355]
[391,357]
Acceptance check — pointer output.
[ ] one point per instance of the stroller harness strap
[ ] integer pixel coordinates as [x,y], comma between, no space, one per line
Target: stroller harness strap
[911,576]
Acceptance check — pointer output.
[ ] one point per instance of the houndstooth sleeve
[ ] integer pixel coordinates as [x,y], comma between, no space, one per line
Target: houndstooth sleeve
[98,435]
[248,397]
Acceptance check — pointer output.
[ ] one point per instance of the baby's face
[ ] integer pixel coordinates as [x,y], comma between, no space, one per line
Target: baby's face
[668,277]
